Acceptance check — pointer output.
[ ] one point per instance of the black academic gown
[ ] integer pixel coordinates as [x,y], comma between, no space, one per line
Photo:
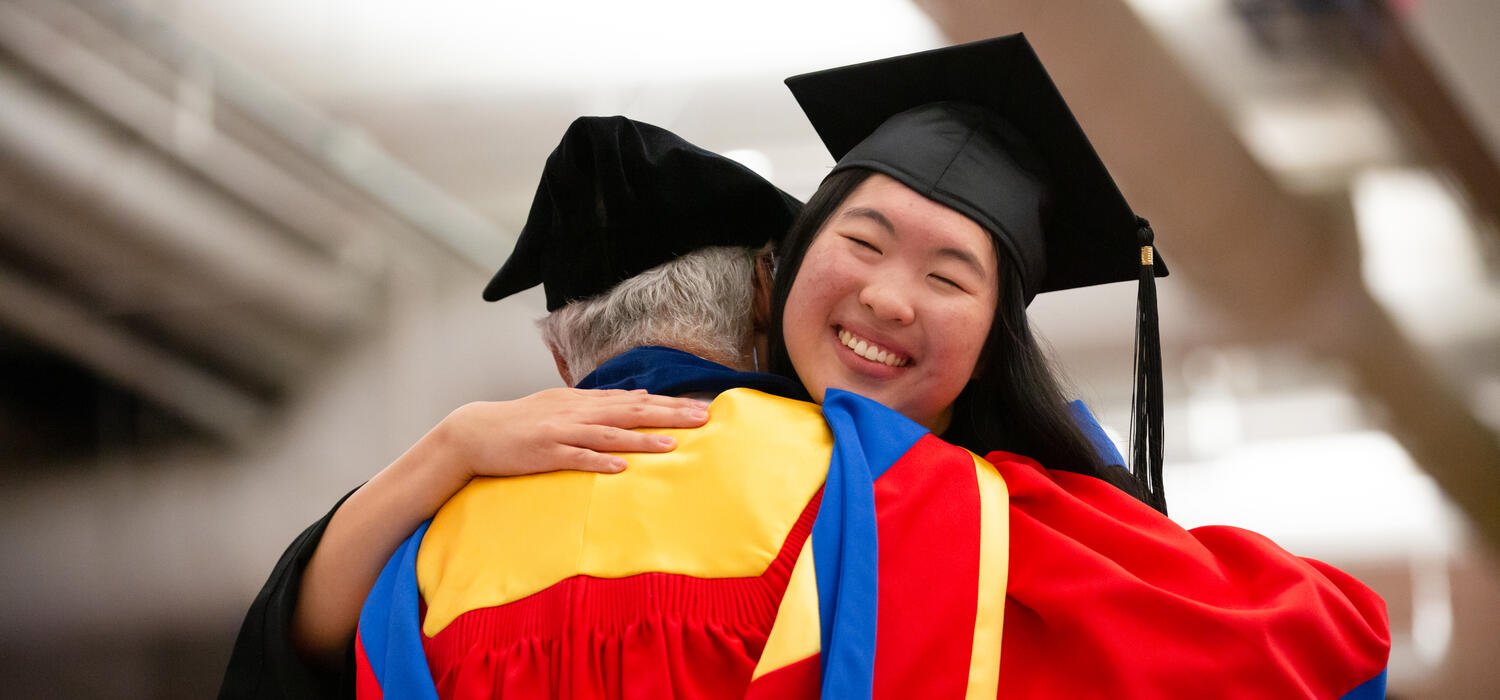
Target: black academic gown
[263,664]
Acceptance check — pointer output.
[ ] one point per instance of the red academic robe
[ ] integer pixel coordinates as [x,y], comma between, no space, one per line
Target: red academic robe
[929,573]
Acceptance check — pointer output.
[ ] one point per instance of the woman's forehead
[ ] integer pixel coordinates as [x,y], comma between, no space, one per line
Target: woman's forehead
[906,214]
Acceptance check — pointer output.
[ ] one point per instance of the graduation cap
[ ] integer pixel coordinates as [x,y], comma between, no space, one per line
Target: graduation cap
[619,197]
[981,128]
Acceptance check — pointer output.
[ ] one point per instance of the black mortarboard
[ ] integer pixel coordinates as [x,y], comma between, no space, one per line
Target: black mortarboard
[982,129]
[619,197]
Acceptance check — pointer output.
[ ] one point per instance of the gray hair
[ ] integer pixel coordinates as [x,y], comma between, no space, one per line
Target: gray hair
[698,303]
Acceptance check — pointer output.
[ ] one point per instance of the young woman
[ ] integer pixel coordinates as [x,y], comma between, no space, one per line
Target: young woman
[963,188]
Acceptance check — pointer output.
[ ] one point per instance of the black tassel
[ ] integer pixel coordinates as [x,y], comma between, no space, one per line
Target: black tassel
[1146,402]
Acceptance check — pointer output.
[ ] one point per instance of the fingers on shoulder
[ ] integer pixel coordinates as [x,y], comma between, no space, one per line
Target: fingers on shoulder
[656,417]
[606,438]
[587,460]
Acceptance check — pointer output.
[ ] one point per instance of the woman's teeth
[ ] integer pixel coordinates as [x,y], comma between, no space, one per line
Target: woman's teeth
[870,351]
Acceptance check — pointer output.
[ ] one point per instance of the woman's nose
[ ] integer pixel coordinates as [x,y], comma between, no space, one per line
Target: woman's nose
[886,299]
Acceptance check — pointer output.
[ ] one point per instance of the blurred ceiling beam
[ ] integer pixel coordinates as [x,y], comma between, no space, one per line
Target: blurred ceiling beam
[246,133]
[1282,267]
[202,226]
[1446,132]
[250,343]
[170,214]
[117,354]
[175,111]
[188,263]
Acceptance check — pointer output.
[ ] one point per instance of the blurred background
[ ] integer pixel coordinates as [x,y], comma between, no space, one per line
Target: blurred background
[242,244]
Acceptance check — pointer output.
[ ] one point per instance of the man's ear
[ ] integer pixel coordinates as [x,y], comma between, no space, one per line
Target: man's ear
[760,305]
[562,367]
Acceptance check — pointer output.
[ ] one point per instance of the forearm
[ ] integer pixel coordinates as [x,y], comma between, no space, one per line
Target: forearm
[363,533]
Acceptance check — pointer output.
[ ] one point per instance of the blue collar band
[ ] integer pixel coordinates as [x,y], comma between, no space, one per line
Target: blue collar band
[672,372]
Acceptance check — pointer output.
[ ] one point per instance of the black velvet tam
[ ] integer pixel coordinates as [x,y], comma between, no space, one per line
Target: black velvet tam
[619,197]
[981,128]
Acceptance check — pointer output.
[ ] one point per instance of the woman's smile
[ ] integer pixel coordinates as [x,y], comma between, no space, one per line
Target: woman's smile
[872,351]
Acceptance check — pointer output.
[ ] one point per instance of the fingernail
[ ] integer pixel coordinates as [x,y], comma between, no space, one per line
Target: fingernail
[666,440]
[700,404]
[698,414]
[617,462]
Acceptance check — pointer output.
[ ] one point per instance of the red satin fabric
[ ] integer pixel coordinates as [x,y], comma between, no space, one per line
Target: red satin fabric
[365,684]
[796,681]
[929,546]
[652,635]
[1107,596]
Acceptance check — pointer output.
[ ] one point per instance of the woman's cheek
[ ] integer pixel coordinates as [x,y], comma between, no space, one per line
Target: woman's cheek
[966,330]
[798,327]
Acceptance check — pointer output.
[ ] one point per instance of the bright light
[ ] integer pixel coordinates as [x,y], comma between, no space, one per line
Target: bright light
[1309,138]
[1420,257]
[1413,236]
[1349,496]
[755,160]
[446,44]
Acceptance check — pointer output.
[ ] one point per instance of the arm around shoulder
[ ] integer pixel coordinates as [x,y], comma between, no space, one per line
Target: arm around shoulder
[310,606]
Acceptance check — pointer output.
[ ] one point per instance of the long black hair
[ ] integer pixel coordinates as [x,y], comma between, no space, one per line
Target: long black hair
[1013,404]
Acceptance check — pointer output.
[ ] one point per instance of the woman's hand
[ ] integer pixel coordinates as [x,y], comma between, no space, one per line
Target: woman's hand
[559,429]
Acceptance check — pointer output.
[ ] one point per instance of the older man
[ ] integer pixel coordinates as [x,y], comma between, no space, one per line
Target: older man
[666,579]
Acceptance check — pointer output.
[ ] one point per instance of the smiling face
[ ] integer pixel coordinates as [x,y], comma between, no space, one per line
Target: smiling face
[893,301]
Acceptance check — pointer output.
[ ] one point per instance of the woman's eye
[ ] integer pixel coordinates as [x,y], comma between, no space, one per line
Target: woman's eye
[863,243]
[949,282]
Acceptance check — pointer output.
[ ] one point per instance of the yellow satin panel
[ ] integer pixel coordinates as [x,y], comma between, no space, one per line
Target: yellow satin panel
[796,634]
[994,563]
[719,506]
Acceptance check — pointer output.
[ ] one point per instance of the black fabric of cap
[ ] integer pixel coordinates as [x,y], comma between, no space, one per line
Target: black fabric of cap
[619,197]
[982,129]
